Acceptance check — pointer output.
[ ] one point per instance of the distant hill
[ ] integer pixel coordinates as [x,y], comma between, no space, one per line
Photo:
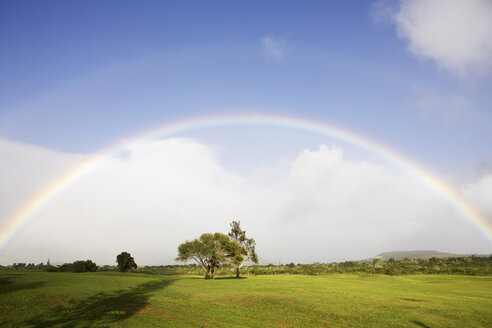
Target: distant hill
[422,254]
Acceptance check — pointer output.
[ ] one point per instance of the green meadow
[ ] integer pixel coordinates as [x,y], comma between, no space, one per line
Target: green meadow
[110,299]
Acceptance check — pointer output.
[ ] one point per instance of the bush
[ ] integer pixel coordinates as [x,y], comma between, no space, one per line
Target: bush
[77,266]
[84,266]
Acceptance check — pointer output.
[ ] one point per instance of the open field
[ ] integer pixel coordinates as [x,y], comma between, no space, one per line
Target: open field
[108,299]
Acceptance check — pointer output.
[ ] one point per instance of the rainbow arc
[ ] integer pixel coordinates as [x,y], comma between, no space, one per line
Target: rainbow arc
[28,211]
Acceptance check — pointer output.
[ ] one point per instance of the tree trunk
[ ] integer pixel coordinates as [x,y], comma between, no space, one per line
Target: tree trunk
[207,271]
[237,272]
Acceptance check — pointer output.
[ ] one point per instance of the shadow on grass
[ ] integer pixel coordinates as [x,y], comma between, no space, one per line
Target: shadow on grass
[421,324]
[101,309]
[233,278]
[8,284]
[217,278]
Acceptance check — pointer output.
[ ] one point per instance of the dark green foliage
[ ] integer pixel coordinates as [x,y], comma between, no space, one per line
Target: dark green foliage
[19,265]
[77,266]
[466,265]
[65,267]
[84,266]
[125,262]
[51,268]
[31,266]
[471,265]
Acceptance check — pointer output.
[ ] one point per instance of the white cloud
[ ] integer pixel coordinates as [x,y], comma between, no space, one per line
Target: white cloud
[479,194]
[274,48]
[324,208]
[26,170]
[456,34]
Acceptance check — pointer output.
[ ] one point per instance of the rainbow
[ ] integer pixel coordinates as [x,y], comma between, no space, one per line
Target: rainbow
[27,212]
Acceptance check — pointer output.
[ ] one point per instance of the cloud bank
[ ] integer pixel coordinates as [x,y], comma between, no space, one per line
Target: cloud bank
[455,34]
[323,208]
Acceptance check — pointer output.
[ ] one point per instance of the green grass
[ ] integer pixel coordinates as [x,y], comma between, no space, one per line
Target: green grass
[41,299]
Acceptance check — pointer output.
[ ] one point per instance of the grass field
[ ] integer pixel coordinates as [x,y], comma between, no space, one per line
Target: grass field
[105,299]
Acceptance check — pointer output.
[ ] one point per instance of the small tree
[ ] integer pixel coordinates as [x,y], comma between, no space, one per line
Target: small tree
[125,262]
[211,251]
[246,250]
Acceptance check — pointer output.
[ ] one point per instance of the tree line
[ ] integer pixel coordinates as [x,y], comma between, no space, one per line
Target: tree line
[466,265]
[124,260]
[219,254]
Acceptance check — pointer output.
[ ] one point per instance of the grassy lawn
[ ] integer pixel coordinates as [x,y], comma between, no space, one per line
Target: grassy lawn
[41,299]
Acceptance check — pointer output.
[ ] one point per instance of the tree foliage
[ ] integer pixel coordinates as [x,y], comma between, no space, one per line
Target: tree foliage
[246,250]
[125,262]
[211,251]
[77,266]
[84,266]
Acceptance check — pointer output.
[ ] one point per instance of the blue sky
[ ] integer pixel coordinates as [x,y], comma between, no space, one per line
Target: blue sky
[77,76]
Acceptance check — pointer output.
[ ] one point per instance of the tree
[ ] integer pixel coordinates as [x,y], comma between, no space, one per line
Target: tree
[84,266]
[246,247]
[211,251]
[125,262]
